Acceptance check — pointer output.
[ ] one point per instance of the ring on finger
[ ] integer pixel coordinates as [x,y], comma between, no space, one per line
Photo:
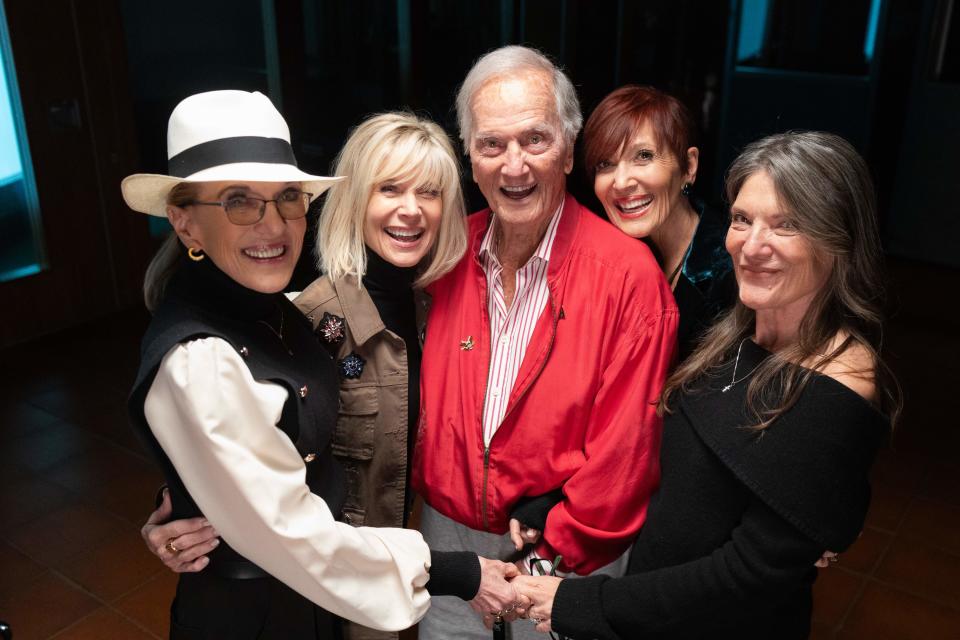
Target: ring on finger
[536,621]
[835,558]
[172,548]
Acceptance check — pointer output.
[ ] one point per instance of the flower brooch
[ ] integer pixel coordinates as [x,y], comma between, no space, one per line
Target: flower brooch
[351,366]
[331,329]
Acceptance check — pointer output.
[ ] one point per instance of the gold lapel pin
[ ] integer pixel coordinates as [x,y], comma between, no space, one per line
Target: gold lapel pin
[467,345]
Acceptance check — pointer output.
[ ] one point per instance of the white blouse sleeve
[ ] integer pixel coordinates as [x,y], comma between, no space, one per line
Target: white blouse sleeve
[217,425]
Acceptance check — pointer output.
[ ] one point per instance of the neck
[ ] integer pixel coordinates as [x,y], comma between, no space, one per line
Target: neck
[515,243]
[777,329]
[673,236]
[206,286]
[386,276]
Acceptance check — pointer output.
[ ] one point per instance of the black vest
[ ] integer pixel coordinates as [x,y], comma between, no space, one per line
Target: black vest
[201,301]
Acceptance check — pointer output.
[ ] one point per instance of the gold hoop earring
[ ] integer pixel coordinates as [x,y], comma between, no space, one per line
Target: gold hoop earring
[195,255]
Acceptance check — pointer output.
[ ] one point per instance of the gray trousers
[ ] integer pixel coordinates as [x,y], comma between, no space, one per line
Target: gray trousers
[450,617]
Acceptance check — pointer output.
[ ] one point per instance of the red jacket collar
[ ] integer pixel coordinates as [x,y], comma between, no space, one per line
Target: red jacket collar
[566,231]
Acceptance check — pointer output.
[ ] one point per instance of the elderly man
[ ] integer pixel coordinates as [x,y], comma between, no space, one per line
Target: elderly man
[546,347]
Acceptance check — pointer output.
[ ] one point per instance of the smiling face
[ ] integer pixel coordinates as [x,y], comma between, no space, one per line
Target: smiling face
[402,221]
[518,153]
[640,187]
[259,256]
[776,266]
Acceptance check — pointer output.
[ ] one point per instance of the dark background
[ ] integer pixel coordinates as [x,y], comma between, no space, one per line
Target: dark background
[99,78]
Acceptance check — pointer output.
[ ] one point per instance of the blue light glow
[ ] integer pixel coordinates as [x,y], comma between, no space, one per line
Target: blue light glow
[870,41]
[9,147]
[753,28]
[21,234]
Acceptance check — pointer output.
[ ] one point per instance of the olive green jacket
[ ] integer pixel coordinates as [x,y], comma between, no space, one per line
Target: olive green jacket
[370,440]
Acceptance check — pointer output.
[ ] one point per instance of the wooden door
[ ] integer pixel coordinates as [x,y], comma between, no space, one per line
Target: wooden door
[70,69]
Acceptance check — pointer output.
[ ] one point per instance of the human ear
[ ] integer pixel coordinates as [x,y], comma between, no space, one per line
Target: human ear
[693,162]
[568,160]
[184,226]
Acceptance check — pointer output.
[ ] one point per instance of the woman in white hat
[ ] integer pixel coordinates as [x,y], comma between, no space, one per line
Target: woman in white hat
[237,399]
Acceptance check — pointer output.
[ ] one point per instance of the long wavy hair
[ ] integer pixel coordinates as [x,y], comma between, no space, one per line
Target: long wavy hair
[825,187]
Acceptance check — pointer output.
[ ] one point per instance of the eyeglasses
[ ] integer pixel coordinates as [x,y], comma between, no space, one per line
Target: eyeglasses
[245,210]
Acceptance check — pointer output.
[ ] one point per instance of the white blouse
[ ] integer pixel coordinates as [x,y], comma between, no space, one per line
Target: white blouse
[217,425]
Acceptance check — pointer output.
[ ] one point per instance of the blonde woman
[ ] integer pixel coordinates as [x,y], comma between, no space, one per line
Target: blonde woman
[396,223]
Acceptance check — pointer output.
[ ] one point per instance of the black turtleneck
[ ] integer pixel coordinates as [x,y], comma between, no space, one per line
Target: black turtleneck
[452,573]
[391,289]
[196,282]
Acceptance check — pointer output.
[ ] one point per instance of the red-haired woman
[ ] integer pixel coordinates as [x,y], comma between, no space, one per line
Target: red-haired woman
[639,153]
[638,150]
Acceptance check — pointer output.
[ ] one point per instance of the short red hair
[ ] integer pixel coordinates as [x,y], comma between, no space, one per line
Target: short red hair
[617,118]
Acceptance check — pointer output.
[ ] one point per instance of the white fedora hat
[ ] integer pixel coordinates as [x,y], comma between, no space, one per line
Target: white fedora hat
[222,135]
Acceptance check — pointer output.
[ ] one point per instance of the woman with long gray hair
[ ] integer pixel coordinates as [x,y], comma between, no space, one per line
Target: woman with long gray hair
[771,425]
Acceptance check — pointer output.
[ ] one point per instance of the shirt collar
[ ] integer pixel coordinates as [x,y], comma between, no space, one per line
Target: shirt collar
[488,256]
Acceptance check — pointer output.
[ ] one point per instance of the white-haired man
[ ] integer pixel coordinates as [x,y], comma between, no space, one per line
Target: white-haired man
[546,347]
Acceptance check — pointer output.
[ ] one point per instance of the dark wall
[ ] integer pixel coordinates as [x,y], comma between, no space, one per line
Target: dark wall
[328,64]
[332,63]
[923,218]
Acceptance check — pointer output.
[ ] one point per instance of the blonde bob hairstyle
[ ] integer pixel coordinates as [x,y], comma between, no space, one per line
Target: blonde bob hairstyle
[391,147]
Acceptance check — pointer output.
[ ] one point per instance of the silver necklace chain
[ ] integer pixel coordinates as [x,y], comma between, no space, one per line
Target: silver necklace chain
[279,333]
[736,363]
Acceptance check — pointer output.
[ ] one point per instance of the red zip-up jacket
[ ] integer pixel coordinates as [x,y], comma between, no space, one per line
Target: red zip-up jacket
[581,412]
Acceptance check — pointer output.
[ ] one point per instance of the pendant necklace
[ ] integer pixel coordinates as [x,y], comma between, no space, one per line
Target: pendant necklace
[279,333]
[676,270]
[733,378]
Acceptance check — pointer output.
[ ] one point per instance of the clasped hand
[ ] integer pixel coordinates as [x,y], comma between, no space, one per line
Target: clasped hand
[508,594]
[497,598]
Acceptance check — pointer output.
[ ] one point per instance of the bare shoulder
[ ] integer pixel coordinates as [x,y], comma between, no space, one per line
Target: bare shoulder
[855,368]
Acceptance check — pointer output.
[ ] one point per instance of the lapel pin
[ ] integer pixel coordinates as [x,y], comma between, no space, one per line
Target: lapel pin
[330,329]
[467,345]
[351,366]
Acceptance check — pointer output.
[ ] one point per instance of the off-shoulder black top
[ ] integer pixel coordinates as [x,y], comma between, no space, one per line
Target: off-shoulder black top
[740,517]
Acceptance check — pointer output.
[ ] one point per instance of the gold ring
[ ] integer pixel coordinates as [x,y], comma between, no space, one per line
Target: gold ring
[172,548]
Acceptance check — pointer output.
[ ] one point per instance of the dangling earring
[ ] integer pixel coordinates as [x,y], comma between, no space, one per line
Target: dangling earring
[685,191]
[195,255]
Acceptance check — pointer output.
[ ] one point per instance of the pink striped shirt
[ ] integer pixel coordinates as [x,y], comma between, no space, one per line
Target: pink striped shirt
[511,329]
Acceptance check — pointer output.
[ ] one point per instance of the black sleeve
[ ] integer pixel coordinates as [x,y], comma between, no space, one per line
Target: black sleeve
[765,555]
[158,496]
[454,573]
[532,511]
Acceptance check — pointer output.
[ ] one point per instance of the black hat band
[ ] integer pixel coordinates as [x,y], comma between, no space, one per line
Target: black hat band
[230,151]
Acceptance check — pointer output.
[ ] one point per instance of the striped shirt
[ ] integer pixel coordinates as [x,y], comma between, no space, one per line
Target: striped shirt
[511,329]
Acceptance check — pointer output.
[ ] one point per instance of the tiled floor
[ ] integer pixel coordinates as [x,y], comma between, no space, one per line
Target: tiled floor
[74,488]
